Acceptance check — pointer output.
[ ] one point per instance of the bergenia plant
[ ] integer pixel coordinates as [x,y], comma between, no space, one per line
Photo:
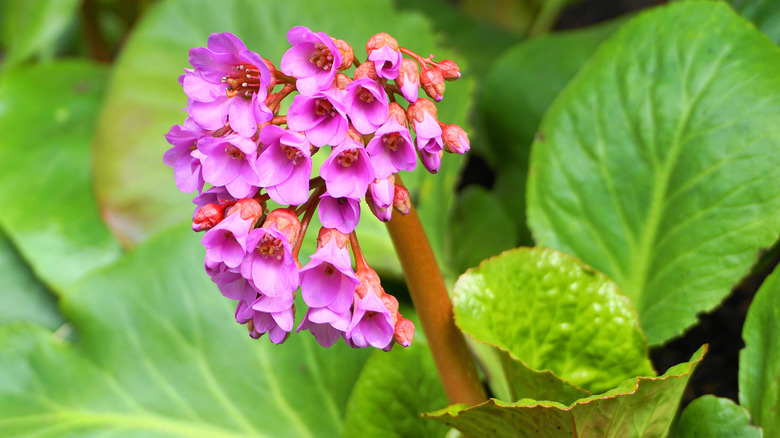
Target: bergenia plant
[238,152]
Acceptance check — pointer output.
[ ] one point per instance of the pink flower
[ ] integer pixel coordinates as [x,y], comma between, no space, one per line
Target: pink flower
[372,323]
[366,103]
[226,242]
[228,83]
[269,264]
[277,324]
[322,117]
[184,156]
[313,60]
[328,280]
[230,161]
[284,166]
[342,214]
[347,171]
[391,150]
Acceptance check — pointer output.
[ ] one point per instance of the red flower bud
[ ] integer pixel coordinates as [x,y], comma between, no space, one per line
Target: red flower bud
[449,70]
[380,40]
[404,331]
[408,79]
[341,81]
[208,216]
[456,140]
[366,70]
[347,55]
[369,282]
[326,234]
[398,112]
[416,110]
[286,222]
[432,82]
[401,201]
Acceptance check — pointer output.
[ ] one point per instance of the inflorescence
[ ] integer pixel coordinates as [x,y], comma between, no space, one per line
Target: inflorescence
[233,140]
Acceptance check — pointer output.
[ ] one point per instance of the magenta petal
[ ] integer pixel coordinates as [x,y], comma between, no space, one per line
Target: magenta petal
[273,166]
[377,331]
[241,117]
[284,319]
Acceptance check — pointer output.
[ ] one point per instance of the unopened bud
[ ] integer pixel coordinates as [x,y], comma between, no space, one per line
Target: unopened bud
[431,161]
[432,82]
[327,234]
[248,208]
[401,200]
[341,81]
[455,139]
[208,216]
[369,282]
[404,332]
[394,110]
[353,134]
[382,191]
[285,221]
[366,70]
[417,110]
[380,40]
[383,214]
[408,79]
[449,70]
[347,55]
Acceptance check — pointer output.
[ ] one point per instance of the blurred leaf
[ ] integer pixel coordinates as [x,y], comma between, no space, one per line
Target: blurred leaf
[509,190]
[638,407]
[764,13]
[392,391]
[714,417]
[160,355]
[478,228]
[759,361]
[658,164]
[551,312]
[32,28]
[49,211]
[144,100]
[22,296]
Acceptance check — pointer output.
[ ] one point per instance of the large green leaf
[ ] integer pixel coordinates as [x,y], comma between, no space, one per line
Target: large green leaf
[551,312]
[30,29]
[639,407]
[160,355]
[764,13]
[658,164]
[144,100]
[714,417]
[22,296]
[759,361]
[48,209]
[392,391]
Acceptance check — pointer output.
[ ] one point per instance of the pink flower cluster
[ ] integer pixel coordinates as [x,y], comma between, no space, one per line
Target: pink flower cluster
[233,150]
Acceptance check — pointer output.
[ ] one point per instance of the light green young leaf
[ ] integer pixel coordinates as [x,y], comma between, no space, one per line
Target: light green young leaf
[658,164]
[714,417]
[764,13]
[49,210]
[22,296]
[32,28]
[638,407]
[392,392]
[759,361]
[551,312]
[144,100]
[159,355]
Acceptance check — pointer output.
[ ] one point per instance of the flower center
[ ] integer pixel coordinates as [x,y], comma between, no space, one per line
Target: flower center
[244,82]
[329,270]
[321,57]
[293,154]
[392,140]
[365,95]
[235,152]
[346,158]
[269,246]
[323,107]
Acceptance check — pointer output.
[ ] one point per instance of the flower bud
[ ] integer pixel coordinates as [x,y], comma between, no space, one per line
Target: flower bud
[417,110]
[383,214]
[326,234]
[366,70]
[392,305]
[380,40]
[382,191]
[456,140]
[209,216]
[401,200]
[408,79]
[449,70]
[353,134]
[394,110]
[431,161]
[369,282]
[404,331]
[432,82]
[341,81]
[347,55]
[248,208]
[286,222]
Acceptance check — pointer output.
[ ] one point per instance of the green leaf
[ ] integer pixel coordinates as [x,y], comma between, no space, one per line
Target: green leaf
[764,13]
[478,228]
[49,211]
[23,297]
[160,355]
[392,391]
[639,407]
[144,100]
[658,164]
[714,417]
[551,312]
[759,361]
[33,28]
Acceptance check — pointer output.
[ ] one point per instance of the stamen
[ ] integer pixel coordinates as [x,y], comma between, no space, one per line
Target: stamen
[235,152]
[346,158]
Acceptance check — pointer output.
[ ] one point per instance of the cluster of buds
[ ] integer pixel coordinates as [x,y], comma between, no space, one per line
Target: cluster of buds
[233,150]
